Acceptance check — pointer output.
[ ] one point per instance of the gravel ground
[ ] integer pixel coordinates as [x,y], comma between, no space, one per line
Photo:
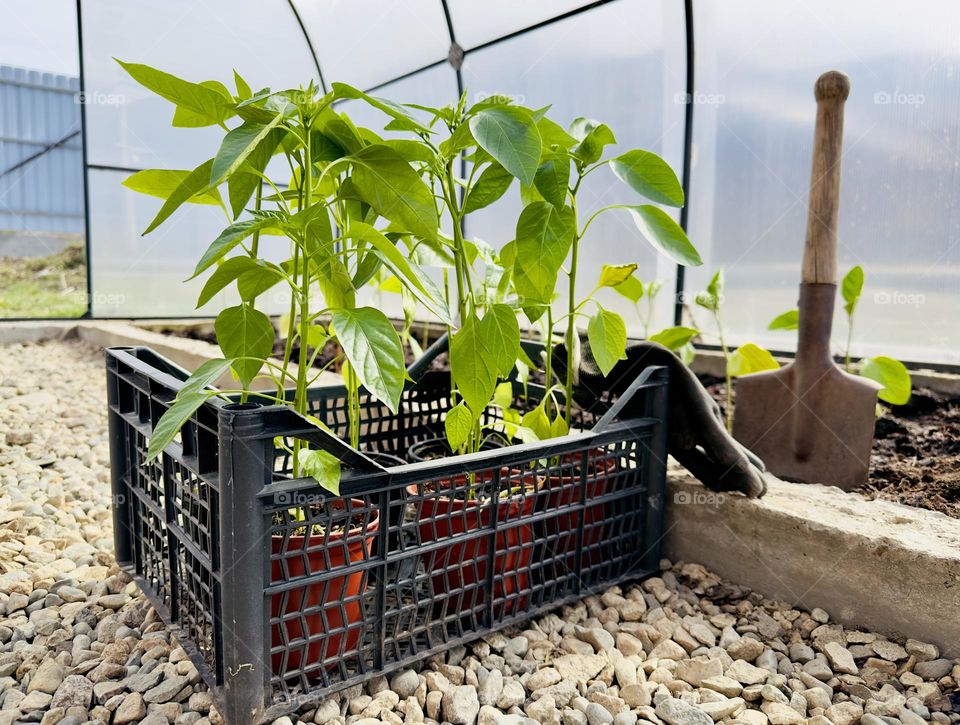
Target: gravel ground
[79,644]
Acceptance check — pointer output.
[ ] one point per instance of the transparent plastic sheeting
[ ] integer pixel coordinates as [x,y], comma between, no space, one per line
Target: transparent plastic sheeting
[899,208]
[129,126]
[622,64]
[476,23]
[143,276]
[369,42]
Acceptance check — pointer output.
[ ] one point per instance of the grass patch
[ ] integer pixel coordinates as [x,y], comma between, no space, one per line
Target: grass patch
[52,286]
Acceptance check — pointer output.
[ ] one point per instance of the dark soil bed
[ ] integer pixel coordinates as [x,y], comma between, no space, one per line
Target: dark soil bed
[916,451]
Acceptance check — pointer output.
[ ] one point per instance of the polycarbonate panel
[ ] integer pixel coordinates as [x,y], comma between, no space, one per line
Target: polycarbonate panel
[899,210]
[369,42]
[622,64]
[130,126]
[143,276]
[475,23]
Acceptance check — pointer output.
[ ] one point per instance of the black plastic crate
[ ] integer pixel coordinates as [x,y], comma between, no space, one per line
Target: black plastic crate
[283,593]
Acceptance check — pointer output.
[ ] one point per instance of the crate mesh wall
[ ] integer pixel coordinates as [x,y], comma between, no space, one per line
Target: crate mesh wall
[408,562]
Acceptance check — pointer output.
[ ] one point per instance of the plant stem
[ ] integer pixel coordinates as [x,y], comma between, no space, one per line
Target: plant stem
[548,362]
[847,364]
[254,247]
[571,309]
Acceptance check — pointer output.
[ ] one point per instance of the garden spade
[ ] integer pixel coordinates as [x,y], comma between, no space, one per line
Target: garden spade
[810,421]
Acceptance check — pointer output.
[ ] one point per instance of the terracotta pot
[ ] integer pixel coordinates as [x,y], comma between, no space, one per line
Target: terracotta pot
[359,544]
[563,492]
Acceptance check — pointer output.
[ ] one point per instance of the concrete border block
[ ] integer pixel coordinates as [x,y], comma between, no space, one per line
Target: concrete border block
[875,565]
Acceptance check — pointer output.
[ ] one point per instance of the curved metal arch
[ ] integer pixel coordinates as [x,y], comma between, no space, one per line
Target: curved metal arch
[309,42]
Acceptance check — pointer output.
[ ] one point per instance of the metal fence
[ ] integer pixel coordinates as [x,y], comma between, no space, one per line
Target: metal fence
[41,155]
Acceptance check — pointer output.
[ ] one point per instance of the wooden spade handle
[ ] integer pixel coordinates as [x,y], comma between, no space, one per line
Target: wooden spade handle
[820,249]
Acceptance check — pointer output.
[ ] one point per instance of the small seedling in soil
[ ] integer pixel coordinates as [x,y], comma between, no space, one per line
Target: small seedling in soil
[746,359]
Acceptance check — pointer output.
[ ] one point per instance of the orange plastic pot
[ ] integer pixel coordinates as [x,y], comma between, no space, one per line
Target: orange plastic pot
[459,570]
[563,494]
[327,594]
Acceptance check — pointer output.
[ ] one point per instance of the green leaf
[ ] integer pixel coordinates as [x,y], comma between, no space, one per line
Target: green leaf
[851,287]
[247,334]
[336,284]
[892,375]
[316,336]
[410,150]
[664,234]
[419,284]
[553,179]
[205,375]
[373,348]
[612,275]
[224,275]
[673,338]
[543,238]
[244,181]
[503,395]
[492,183]
[710,299]
[390,185]
[196,97]
[163,182]
[748,359]
[258,280]
[243,89]
[193,184]
[405,121]
[170,423]
[686,354]
[607,334]
[559,427]
[649,175]
[509,135]
[500,331]
[631,288]
[230,238]
[538,423]
[185,118]
[553,136]
[322,466]
[237,145]
[473,365]
[593,136]
[458,424]
[789,320]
